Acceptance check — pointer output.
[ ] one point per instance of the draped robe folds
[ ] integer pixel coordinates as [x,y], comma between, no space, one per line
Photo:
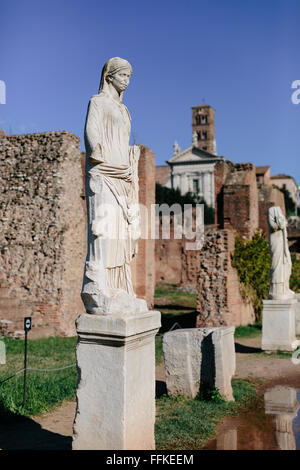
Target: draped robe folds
[112,202]
[281,264]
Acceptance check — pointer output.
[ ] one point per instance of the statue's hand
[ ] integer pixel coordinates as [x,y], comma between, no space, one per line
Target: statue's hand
[282,223]
[97,155]
[135,152]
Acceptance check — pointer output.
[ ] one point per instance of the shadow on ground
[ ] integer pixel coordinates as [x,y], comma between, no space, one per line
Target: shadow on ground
[241,348]
[20,433]
[184,320]
[160,388]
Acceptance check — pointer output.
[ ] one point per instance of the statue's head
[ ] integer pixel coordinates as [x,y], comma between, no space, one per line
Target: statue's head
[275,212]
[276,218]
[116,72]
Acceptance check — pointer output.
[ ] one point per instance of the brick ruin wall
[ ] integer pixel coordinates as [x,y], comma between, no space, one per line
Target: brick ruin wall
[236,202]
[43,227]
[210,272]
[241,203]
[240,200]
[268,196]
[43,232]
[241,206]
[174,264]
[219,299]
[143,267]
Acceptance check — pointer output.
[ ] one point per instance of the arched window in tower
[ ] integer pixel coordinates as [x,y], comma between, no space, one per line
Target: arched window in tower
[199,135]
[204,119]
[198,119]
[204,135]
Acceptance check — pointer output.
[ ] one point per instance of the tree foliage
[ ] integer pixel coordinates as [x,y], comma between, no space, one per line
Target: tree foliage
[288,202]
[170,196]
[252,260]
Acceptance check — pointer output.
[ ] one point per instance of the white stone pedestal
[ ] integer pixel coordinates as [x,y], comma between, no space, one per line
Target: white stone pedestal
[278,325]
[116,384]
[197,359]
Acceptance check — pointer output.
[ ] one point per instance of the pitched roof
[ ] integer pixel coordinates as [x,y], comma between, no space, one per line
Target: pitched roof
[261,170]
[192,154]
[281,176]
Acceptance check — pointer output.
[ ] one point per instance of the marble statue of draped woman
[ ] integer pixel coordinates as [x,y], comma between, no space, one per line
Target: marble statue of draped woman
[281,265]
[112,197]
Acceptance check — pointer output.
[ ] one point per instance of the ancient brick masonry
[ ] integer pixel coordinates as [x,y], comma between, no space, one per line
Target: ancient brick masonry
[242,204]
[236,197]
[43,227]
[143,267]
[219,300]
[168,256]
[268,196]
[43,232]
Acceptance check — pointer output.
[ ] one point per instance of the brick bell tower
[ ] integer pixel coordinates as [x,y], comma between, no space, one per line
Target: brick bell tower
[203,126]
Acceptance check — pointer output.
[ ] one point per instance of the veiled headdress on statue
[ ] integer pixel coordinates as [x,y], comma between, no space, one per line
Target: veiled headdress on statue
[276,218]
[112,66]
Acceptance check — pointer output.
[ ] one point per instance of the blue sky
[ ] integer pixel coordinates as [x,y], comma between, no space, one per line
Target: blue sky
[241,57]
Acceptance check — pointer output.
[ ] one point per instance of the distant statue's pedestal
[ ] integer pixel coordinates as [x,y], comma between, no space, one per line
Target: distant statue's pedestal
[116,384]
[278,325]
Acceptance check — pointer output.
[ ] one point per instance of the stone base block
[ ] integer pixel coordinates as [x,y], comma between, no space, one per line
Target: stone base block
[116,385]
[278,325]
[199,359]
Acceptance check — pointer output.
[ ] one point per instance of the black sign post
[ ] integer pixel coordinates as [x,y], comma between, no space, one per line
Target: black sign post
[27,327]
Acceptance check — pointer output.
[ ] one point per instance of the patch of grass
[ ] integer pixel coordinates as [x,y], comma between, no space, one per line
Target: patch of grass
[243,391]
[175,297]
[247,331]
[295,275]
[183,423]
[159,354]
[175,306]
[44,389]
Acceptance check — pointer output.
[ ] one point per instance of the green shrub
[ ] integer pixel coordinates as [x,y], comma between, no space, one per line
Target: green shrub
[252,260]
[288,202]
[295,276]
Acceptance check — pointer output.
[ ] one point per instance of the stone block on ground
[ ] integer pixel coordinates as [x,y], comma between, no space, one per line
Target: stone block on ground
[199,360]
